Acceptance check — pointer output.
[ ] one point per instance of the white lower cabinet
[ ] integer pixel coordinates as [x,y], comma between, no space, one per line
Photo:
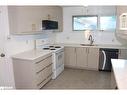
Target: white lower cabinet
[70,56]
[82,57]
[93,58]
[122,54]
[32,74]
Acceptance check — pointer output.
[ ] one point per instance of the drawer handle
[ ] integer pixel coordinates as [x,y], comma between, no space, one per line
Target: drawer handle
[43,59]
[49,75]
[48,65]
[41,82]
[44,80]
[43,69]
[40,71]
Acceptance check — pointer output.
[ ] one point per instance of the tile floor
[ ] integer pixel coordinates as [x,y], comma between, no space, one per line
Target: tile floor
[80,79]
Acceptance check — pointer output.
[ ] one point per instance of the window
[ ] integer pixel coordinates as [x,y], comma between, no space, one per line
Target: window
[81,23]
[108,23]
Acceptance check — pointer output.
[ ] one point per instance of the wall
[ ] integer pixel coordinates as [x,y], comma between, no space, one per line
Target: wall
[69,36]
[14,44]
[11,45]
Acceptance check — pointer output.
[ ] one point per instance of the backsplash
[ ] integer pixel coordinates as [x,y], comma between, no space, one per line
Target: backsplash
[78,38]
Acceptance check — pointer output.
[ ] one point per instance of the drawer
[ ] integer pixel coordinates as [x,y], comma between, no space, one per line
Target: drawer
[44,82]
[42,75]
[43,63]
[48,70]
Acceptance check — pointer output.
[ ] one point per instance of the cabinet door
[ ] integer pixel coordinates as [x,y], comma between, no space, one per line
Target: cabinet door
[70,56]
[58,15]
[123,53]
[28,19]
[81,55]
[93,58]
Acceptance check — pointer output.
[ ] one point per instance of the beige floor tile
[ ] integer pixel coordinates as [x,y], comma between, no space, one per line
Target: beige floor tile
[80,79]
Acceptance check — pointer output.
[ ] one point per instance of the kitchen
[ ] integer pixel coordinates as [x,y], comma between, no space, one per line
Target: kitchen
[26,40]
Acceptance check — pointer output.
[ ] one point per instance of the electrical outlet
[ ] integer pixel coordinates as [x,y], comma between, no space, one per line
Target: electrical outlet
[112,40]
[67,38]
[33,27]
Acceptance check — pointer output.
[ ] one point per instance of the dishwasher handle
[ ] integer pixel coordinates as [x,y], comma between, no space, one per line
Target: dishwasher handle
[104,61]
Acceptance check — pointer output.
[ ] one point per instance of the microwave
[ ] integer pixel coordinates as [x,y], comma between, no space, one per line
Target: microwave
[49,25]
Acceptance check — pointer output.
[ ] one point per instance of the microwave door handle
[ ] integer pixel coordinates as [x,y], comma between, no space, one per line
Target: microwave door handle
[104,62]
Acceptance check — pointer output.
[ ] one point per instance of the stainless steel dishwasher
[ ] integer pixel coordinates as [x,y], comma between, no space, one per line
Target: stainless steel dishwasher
[105,56]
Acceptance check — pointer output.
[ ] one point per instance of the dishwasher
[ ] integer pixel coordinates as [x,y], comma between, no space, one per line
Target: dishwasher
[105,56]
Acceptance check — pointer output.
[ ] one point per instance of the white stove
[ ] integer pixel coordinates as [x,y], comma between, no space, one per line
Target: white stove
[57,59]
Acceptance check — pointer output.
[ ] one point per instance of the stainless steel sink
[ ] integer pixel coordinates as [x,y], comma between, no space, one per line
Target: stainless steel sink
[88,45]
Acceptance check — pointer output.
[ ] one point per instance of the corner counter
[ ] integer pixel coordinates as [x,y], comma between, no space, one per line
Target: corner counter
[120,72]
[32,69]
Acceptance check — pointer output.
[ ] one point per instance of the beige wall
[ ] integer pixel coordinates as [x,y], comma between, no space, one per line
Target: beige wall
[69,36]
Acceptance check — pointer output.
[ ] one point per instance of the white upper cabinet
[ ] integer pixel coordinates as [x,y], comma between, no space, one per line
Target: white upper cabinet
[28,19]
[122,23]
[120,11]
[100,10]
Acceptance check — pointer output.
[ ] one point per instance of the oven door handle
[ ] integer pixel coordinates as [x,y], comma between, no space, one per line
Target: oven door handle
[104,61]
[60,52]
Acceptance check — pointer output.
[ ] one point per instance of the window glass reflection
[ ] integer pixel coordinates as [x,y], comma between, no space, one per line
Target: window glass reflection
[108,23]
[84,23]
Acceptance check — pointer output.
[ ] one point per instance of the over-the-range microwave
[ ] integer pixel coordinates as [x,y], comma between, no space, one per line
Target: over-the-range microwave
[49,25]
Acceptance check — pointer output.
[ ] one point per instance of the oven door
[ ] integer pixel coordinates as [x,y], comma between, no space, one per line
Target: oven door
[59,59]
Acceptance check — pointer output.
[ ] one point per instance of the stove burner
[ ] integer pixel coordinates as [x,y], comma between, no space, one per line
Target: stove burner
[46,48]
[51,46]
[52,49]
[57,47]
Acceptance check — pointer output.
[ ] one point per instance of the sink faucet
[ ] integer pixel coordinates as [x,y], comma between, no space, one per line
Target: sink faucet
[91,39]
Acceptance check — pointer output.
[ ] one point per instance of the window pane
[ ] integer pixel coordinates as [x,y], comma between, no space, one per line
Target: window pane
[108,23]
[84,22]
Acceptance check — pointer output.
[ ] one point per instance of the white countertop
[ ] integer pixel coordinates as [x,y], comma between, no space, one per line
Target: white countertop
[96,45]
[32,54]
[120,72]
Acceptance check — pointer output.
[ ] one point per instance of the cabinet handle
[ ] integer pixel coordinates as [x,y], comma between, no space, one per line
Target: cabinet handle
[43,68]
[43,59]
[49,65]
[40,71]
[49,75]
[45,79]
[41,82]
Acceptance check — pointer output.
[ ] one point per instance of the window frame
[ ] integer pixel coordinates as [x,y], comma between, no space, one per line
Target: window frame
[99,20]
[98,23]
[83,16]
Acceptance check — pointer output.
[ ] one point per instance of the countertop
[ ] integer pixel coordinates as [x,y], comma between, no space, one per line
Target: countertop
[32,54]
[120,72]
[96,45]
